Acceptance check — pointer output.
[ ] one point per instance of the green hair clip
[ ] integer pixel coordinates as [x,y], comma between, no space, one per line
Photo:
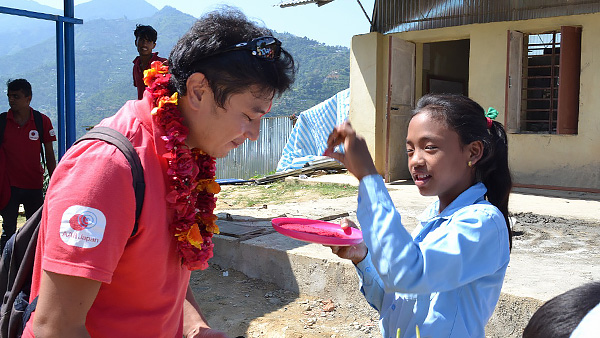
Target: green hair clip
[490,115]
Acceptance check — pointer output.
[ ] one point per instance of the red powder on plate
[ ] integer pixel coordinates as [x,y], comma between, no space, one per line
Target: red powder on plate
[312,230]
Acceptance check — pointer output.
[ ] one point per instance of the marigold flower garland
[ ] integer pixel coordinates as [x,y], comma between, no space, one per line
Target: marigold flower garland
[191,175]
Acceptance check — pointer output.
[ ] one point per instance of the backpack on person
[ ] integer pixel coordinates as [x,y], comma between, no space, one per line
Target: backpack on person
[16,264]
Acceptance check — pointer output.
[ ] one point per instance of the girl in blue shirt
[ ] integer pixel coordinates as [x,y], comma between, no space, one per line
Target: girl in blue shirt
[446,277]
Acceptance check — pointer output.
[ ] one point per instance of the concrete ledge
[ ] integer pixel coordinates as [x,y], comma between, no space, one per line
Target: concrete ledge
[304,268]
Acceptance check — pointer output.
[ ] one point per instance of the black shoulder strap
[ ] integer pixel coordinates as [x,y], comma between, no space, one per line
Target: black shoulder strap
[2,126]
[120,141]
[39,124]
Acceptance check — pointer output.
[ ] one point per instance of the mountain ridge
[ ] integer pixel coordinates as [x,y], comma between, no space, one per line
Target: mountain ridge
[103,61]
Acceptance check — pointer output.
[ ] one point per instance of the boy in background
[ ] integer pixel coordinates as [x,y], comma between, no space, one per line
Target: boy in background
[26,132]
[145,41]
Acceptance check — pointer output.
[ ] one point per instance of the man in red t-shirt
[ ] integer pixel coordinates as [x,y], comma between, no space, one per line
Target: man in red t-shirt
[21,145]
[145,41]
[91,276]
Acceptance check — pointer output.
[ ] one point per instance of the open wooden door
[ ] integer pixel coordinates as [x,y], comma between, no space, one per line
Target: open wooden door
[400,103]
[514,81]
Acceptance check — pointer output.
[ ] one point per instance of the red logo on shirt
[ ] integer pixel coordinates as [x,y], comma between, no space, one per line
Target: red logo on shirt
[79,222]
[82,226]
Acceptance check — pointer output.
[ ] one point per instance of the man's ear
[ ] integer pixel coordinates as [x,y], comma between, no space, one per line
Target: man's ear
[197,90]
[475,151]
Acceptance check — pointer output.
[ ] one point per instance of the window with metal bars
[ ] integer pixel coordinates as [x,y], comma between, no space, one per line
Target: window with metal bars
[541,65]
[543,80]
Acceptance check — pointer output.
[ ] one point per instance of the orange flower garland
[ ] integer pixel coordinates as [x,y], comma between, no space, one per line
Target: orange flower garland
[191,175]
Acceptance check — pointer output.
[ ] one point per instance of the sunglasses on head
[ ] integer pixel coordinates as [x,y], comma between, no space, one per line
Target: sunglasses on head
[265,47]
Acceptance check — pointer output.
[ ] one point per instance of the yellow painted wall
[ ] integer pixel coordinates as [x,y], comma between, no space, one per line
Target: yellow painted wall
[367,96]
[569,161]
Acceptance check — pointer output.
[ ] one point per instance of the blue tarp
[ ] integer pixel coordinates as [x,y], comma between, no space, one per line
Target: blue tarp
[308,138]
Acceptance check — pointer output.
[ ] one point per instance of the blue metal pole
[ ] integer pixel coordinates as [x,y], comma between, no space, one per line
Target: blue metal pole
[66,119]
[71,134]
[60,88]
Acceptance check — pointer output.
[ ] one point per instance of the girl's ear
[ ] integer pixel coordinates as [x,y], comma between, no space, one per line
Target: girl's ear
[475,149]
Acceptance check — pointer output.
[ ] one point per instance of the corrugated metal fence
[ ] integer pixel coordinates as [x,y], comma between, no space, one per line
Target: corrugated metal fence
[260,157]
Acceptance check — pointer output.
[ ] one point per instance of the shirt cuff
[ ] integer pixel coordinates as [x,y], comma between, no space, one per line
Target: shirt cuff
[366,271]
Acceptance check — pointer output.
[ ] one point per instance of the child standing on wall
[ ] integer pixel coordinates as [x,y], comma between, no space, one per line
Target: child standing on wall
[145,41]
[446,277]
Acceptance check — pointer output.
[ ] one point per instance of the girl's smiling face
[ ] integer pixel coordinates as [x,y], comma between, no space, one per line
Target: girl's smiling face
[437,159]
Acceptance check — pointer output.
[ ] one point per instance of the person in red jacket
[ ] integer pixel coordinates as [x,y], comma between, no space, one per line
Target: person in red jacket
[22,144]
[145,41]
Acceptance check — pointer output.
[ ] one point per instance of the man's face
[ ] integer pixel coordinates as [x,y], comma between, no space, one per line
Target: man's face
[217,130]
[144,46]
[17,100]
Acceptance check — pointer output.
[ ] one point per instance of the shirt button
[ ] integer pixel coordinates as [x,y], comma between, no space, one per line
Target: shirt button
[368,269]
[393,306]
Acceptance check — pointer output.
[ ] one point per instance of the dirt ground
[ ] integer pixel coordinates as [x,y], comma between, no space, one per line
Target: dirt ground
[253,308]
[248,307]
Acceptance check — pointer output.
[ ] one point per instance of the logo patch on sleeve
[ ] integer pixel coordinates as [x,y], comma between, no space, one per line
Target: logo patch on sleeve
[82,227]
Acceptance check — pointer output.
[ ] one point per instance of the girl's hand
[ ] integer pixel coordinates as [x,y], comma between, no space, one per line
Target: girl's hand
[356,158]
[355,253]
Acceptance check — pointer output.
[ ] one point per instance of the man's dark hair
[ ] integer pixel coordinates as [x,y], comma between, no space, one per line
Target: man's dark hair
[145,32]
[559,317]
[232,72]
[19,84]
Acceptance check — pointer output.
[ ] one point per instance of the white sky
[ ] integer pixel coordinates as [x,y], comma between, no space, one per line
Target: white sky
[332,24]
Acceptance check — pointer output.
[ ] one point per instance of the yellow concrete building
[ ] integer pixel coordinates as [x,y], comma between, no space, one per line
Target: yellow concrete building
[541,74]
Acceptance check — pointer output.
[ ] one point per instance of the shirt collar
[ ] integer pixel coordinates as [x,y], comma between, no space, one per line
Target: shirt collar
[11,115]
[153,58]
[143,112]
[474,194]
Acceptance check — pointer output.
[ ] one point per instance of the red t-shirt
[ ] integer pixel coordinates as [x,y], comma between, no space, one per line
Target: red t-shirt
[87,222]
[22,147]
[138,73]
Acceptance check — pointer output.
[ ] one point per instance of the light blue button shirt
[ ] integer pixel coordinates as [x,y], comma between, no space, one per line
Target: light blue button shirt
[447,279]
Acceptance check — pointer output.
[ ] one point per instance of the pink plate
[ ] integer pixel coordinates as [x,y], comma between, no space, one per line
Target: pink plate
[314,231]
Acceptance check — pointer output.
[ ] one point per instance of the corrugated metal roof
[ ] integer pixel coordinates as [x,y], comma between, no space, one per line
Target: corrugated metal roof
[291,3]
[390,16]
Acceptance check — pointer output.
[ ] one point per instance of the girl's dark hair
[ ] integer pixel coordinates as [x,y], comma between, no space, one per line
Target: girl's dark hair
[559,316]
[232,72]
[468,119]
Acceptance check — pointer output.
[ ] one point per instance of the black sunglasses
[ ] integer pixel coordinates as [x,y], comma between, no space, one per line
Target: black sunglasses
[265,47]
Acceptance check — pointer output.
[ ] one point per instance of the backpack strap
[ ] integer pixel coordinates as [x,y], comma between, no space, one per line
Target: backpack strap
[117,139]
[39,125]
[2,126]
